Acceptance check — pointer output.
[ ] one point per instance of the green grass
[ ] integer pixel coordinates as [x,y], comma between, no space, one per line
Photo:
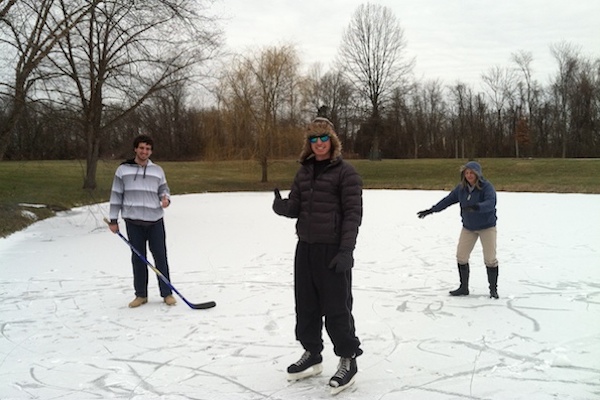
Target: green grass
[57,184]
[511,175]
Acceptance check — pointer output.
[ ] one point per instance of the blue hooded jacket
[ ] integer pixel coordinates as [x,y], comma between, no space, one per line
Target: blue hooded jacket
[483,195]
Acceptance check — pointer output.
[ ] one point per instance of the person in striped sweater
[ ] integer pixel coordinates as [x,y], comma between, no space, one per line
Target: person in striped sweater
[140,193]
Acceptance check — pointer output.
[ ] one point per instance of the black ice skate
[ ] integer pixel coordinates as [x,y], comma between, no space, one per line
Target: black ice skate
[344,377]
[308,365]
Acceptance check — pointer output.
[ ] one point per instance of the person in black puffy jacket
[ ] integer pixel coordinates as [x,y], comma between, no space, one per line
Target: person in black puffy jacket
[477,199]
[326,200]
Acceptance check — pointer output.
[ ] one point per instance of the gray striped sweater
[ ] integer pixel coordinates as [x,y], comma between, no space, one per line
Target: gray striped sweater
[136,192]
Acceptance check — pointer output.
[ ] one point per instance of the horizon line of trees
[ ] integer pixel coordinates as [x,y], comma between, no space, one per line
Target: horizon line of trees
[93,79]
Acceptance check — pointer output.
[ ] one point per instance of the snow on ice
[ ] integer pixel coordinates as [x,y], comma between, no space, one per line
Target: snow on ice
[66,331]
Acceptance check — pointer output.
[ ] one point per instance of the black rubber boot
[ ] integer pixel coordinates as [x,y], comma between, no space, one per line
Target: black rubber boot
[463,273]
[492,274]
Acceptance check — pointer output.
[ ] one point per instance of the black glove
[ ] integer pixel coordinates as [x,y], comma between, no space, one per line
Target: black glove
[424,213]
[279,204]
[474,207]
[342,261]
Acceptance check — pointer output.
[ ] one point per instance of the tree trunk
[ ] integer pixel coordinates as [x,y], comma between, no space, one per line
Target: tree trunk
[13,118]
[264,169]
[93,152]
[416,146]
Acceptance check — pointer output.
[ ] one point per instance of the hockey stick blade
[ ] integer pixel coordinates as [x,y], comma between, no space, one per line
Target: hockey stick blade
[203,306]
[197,306]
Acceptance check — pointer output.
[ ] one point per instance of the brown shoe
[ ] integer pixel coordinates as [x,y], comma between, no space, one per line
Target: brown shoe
[170,300]
[138,301]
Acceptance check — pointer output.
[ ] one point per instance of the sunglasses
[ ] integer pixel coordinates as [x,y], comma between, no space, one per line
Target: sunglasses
[324,137]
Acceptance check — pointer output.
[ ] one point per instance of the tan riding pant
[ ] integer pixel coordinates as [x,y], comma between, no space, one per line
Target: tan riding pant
[466,243]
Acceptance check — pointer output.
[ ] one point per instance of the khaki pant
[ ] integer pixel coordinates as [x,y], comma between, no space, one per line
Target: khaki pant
[466,243]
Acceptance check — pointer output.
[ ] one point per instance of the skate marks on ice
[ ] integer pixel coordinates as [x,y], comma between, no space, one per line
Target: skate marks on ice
[66,331]
[525,343]
[540,340]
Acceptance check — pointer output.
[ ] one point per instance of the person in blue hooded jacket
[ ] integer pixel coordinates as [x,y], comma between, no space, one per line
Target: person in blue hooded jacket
[477,199]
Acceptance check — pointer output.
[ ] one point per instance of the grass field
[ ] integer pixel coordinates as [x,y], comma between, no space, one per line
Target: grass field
[43,187]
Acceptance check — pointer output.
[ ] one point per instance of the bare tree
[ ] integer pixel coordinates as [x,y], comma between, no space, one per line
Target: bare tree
[373,55]
[523,60]
[260,87]
[428,108]
[312,89]
[526,88]
[563,88]
[5,6]
[339,97]
[163,116]
[581,110]
[30,30]
[335,94]
[462,128]
[500,84]
[236,96]
[121,55]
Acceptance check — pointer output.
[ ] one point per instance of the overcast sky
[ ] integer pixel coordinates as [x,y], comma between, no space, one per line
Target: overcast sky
[451,40]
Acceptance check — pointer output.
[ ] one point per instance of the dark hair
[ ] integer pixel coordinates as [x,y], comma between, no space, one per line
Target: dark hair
[143,139]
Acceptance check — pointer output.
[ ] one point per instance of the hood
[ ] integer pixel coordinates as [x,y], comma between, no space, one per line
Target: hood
[475,167]
[132,162]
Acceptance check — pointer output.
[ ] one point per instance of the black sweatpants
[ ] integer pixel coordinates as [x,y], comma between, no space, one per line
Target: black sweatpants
[321,292]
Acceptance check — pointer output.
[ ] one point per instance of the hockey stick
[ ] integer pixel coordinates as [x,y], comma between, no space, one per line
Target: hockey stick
[197,306]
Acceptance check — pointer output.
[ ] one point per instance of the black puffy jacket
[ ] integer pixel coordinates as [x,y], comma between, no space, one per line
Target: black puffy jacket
[328,207]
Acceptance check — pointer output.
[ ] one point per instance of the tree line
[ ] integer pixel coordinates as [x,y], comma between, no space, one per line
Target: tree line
[90,75]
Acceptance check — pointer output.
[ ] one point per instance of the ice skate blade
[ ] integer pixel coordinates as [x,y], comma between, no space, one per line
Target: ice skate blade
[307,373]
[336,390]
